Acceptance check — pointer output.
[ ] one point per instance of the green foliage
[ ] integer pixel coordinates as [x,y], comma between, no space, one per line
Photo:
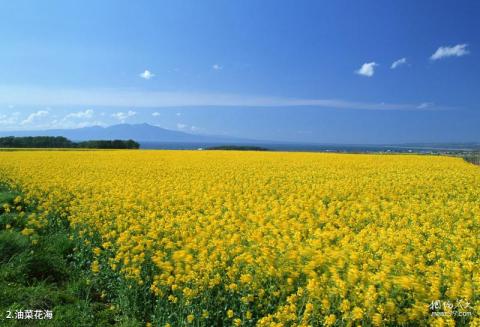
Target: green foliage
[62,142]
[13,220]
[115,144]
[42,275]
[238,148]
[6,197]
[11,244]
[36,142]
[45,267]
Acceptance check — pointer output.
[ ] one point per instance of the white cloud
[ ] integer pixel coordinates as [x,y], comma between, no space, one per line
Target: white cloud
[65,123]
[425,105]
[156,114]
[398,62]
[34,116]
[90,124]
[147,74]
[46,119]
[81,114]
[195,129]
[7,120]
[75,120]
[367,69]
[123,116]
[189,128]
[454,51]
[128,98]
[217,67]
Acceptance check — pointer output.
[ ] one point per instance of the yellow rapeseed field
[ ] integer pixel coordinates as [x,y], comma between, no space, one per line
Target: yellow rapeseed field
[269,238]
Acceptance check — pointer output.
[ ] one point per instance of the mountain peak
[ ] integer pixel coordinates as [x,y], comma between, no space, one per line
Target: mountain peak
[142,132]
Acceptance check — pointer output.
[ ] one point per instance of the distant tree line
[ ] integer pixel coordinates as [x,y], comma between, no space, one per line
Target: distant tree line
[113,144]
[237,148]
[62,142]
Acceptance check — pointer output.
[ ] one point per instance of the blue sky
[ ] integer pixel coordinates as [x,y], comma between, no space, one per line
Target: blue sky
[306,71]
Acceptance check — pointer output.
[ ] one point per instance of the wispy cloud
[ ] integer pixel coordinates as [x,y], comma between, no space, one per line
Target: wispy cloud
[425,105]
[156,114]
[147,74]
[217,67]
[195,129]
[89,124]
[75,120]
[65,123]
[450,51]
[123,116]
[81,114]
[398,63]
[34,116]
[367,69]
[131,98]
[47,119]
[189,128]
[9,119]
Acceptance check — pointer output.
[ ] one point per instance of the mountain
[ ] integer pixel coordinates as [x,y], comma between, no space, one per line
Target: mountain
[143,133]
[153,137]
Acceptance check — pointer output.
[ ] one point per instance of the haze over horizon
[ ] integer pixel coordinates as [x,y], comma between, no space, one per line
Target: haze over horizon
[329,72]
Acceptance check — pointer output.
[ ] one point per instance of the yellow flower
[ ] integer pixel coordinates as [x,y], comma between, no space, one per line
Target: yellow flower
[345,306]
[280,233]
[246,279]
[390,307]
[95,266]
[308,307]
[357,313]
[27,231]
[330,320]
[172,298]
[377,319]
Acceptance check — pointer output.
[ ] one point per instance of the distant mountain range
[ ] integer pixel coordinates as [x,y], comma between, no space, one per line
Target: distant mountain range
[154,137]
[142,133]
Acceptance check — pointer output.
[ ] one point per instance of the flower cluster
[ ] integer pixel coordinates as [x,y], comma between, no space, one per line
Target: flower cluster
[270,239]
